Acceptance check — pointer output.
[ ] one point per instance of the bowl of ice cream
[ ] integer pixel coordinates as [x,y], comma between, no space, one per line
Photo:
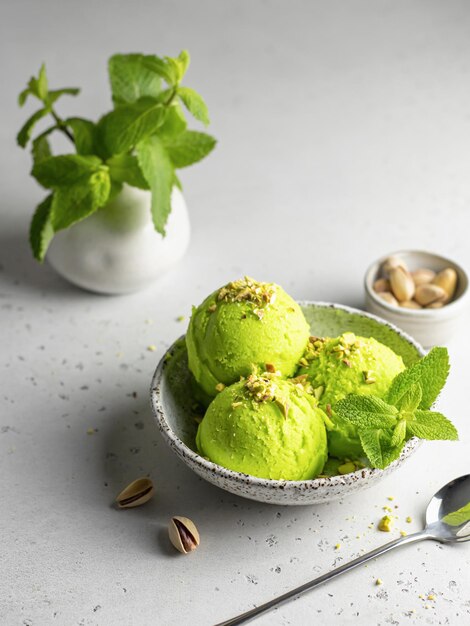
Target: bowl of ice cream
[268,454]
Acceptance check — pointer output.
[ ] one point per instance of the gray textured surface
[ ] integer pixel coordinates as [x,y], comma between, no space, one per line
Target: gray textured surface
[344,132]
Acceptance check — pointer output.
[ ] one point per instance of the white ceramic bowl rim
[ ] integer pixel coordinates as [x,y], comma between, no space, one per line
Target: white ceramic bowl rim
[444,311]
[224,472]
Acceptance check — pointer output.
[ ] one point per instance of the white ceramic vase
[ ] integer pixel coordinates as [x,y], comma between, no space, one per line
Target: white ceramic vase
[117,250]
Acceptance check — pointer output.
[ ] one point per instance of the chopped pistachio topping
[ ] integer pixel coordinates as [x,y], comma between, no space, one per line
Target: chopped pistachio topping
[408,520]
[220,387]
[385,524]
[264,389]
[261,388]
[249,290]
[379,581]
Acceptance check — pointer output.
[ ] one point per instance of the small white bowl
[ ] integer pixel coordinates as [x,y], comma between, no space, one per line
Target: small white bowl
[428,326]
[173,407]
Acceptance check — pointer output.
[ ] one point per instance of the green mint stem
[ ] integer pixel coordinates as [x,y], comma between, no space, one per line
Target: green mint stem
[62,126]
[172,97]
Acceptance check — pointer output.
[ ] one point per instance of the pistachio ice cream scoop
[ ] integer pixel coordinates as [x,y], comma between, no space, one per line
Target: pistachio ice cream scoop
[338,366]
[243,325]
[266,427]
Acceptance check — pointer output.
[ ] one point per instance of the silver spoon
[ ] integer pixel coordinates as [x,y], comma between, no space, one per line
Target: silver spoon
[440,526]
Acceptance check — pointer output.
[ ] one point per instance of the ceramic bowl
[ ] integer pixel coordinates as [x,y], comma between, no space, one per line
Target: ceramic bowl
[430,327]
[173,407]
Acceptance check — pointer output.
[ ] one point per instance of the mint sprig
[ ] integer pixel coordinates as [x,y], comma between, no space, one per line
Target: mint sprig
[383,427]
[141,142]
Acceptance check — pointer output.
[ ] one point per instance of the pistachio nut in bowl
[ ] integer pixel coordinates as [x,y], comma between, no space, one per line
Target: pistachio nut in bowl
[423,293]
[178,414]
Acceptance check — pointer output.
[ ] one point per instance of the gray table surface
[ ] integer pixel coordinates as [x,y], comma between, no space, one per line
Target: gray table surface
[344,133]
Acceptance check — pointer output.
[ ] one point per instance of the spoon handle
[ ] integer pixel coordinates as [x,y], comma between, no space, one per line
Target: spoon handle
[245,617]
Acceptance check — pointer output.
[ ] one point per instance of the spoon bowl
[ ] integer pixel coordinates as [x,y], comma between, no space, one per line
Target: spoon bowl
[448,512]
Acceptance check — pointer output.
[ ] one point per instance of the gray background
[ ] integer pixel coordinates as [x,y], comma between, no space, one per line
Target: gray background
[344,132]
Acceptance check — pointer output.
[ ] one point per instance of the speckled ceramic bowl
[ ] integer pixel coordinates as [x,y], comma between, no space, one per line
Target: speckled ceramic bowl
[173,406]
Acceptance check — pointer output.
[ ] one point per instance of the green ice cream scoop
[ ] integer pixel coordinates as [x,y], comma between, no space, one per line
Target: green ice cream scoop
[243,325]
[266,427]
[342,365]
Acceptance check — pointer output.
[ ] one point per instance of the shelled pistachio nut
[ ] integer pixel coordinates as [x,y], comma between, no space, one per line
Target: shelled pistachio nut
[392,262]
[435,305]
[138,492]
[429,294]
[183,534]
[387,296]
[447,280]
[403,287]
[410,304]
[381,284]
[422,276]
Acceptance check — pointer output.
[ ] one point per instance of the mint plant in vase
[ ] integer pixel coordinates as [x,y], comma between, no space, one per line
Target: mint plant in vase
[114,217]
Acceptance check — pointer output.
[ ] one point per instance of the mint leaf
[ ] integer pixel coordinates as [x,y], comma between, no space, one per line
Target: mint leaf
[74,202]
[183,60]
[24,96]
[399,433]
[40,148]
[158,171]
[64,170]
[128,124]
[174,124]
[431,425]
[116,188]
[55,94]
[130,78]
[194,103]
[410,400]
[177,182]
[124,168]
[458,517]
[41,84]
[378,448]
[25,132]
[430,372]
[84,134]
[189,147]
[36,87]
[366,412]
[161,67]
[41,231]
[177,66]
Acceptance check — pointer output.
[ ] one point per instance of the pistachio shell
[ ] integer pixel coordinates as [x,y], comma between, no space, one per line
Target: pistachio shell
[381,284]
[447,280]
[391,263]
[138,492]
[388,297]
[422,276]
[183,534]
[428,294]
[403,287]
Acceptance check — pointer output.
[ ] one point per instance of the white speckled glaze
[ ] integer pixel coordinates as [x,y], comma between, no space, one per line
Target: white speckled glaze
[173,404]
[117,250]
[431,327]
